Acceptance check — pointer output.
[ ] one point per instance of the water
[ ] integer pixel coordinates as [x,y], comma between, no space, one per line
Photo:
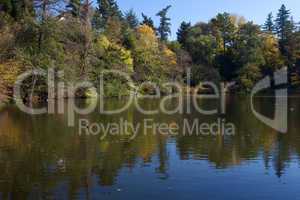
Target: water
[42,158]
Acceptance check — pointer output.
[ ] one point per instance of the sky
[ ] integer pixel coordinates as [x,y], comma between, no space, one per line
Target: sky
[203,10]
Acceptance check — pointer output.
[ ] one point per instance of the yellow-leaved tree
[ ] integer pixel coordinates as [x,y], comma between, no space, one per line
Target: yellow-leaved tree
[9,71]
[147,63]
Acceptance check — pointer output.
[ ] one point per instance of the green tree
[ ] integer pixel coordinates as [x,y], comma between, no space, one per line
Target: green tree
[164,28]
[131,19]
[283,23]
[74,7]
[201,73]
[21,8]
[106,9]
[249,55]
[248,76]
[269,26]
[285,29]
[248,45]
[182,33]
[148,21]
[226,27]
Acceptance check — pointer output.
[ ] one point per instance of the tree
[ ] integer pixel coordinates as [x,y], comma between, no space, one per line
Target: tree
[182,33]
[248,45]
[9,71]
[283,23]
[269,24]
[226,27]
[285,28]
[184,60]
[249,55]
[147,63]
[112,56]
[248,76]
[201,73]
[21,8]
[164,28]
[271,53]
[106,9]
[74,7]
[113,30]
[148,21]
[131,19]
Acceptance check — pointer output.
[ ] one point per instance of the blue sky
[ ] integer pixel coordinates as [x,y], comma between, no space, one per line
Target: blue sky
[203,10]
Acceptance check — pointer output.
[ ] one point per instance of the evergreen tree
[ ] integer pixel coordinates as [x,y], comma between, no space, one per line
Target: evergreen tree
[74,7]
[226,27]
[131,19]
[283,23]
[106,9]
[183,32]
[164,28]
[269,24]
[148,21]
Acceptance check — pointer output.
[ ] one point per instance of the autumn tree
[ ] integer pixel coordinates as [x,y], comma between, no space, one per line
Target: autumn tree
[146,53]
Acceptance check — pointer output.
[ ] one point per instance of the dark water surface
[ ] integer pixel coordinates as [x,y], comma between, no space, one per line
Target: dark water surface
[42,158]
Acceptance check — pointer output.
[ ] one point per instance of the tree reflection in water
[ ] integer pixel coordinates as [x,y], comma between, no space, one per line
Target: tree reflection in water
[41,157]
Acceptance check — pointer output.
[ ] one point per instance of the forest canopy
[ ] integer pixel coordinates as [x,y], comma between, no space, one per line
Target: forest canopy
[83,38]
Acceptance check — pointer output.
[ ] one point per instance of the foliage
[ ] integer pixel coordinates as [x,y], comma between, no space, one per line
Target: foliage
[269,26]
[248,76]
[182,33]
[74,7]
[106,9]
[9,71]
[131,19]
[164,27]
[202,73]
[113,56]
[146,54]
[84,41]
[148,21]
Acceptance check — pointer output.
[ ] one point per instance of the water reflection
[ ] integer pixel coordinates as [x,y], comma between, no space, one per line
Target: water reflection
[41,157]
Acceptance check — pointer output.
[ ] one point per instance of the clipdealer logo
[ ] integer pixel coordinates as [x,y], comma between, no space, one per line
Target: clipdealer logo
[280,121]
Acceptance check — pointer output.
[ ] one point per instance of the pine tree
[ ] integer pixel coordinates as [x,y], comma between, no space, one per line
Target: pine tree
[106,9]
[183,32]
[269,24]
[74,7]
[164,28]
[131,19]
[148,21]
[283,23]
[227,29]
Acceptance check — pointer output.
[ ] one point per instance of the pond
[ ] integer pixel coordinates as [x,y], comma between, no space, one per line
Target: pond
[42,157]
